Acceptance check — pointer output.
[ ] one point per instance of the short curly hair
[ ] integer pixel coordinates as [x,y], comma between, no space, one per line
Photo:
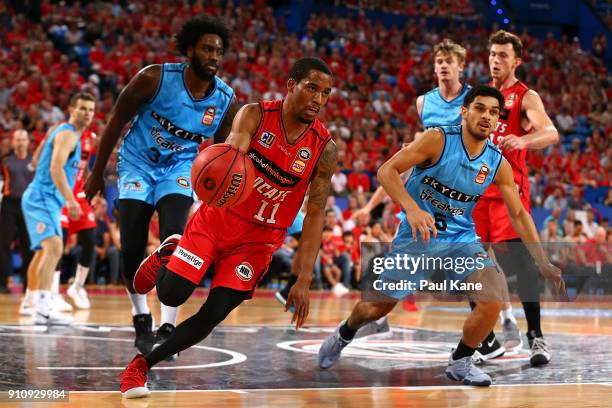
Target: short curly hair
[196,27]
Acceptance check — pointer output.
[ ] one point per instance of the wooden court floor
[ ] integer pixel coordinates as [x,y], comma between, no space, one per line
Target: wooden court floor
[386,375]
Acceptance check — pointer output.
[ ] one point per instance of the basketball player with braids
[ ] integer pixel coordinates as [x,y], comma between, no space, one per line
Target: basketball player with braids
[172,109]
[292,153]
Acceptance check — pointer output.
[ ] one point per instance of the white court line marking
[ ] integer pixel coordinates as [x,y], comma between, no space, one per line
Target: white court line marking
[236,358]
[412,388]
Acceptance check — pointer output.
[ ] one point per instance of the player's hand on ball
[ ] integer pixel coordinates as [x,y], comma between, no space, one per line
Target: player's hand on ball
[421,221]
[511,142]
[552,273]
[298,297]
[74,210]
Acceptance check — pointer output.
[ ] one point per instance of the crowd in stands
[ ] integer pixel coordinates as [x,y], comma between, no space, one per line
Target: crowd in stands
[378,73]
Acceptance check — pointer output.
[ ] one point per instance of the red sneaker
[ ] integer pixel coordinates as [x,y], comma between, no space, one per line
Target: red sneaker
[134,378]
[146,274]
[409,305]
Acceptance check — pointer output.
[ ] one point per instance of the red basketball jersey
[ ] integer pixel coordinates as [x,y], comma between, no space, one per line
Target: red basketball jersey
[509,123]
[283,170]
[87,137]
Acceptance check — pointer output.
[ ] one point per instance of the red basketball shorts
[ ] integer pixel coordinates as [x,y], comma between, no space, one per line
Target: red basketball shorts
[240,251]
[87,220]
[492,220]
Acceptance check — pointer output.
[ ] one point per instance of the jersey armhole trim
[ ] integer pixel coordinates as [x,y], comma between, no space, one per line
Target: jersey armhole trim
[159,85]
[498,164]
[439,158]
[261,120]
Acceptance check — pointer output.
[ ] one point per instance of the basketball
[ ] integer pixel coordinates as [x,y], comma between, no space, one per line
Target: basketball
[222,176]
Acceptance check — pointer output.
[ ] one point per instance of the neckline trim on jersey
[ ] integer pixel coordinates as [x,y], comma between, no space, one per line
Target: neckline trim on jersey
[189,92]
[467,154]
[456,97]
[284,131]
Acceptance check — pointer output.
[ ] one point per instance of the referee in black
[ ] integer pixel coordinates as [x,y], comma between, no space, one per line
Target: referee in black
[16,172]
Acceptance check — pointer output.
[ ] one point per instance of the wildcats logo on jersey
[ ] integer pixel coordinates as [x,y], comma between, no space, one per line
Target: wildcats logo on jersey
[266,139]
[209,116]
[481,177]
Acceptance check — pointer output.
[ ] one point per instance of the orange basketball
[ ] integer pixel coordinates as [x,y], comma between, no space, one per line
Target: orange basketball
[222,176]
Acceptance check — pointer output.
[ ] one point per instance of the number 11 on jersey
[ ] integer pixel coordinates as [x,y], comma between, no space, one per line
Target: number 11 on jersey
[260,214]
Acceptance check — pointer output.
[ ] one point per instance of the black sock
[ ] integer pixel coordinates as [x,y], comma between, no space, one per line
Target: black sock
[285,291]
[491,335]
[532,315]
[346,332]
[463,351]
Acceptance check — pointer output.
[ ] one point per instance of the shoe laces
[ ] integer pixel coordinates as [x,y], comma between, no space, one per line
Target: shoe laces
[132,375]
[540,344]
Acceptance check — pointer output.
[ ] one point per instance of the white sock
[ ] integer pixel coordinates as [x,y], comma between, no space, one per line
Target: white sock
[43,303]
[139,303]
[81,275]
[28,297]
[168,314]
[507,314]
[56,283]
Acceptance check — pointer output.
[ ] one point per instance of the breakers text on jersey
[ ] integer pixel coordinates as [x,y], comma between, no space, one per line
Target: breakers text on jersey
[177,131]
[166,144]
[428,195]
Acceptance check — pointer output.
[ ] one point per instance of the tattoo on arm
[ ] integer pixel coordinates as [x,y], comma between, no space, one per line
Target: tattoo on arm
[321,185]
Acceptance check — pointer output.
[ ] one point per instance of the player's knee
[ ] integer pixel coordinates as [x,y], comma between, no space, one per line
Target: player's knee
[172,289]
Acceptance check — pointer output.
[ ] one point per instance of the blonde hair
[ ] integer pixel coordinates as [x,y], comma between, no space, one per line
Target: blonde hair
[448,46]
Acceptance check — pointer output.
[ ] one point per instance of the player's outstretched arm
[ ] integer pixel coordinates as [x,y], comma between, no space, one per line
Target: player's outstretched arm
[63,145]
[524,226]
[141,89]
[226,126]
[425,150]
[544,131]
[244,126]
[310,242]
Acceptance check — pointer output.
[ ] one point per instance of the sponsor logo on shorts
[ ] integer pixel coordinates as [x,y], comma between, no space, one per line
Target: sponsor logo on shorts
[481,177]
[209,116]
[183,182]
[231,190]
[266,139]
[41,227]
[188,257]
[132,186]
[244,271]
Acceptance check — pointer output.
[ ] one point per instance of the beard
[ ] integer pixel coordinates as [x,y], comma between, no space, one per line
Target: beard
[200,71]
[477,133]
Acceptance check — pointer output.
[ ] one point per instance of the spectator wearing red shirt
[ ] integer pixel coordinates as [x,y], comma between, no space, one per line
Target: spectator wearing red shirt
[359,180]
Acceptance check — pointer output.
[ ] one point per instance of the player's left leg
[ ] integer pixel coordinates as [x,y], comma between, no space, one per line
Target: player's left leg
[362,313]
[173,211]
[76,291]
[517,260]
[477,326]
[220,302]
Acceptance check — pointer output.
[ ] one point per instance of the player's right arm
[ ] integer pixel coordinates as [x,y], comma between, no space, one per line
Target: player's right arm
[524,226]
[423,151]
[64,144]
[244,127]
[138,91]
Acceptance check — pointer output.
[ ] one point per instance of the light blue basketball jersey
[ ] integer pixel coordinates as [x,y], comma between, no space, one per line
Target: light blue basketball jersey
[170,128]
[42,182]
[297,225]
[437,111]
[450,188]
